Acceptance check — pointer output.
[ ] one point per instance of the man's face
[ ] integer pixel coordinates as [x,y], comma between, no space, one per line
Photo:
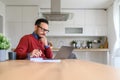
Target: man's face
[42,29]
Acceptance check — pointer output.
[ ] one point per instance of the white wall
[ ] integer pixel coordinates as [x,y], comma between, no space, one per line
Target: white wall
[66,41]
[2,17]
[111,30]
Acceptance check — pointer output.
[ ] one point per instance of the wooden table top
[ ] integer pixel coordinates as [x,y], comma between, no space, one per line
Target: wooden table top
[64,70]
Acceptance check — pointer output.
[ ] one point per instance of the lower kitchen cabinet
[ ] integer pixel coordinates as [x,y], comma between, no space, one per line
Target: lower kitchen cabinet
[94,55]
[99,57]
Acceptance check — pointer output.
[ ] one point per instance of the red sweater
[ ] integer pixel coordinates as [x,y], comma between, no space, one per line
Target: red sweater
[28,43]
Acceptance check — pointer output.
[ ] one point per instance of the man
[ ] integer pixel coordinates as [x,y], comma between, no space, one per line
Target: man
[35,44]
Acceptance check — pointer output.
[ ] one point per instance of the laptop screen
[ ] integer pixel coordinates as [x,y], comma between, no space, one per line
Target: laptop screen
[64,52]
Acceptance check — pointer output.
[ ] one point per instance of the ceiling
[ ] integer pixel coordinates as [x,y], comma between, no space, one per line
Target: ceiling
[70,3]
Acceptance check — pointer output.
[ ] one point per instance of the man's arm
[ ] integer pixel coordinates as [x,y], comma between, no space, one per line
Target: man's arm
[22,47]
[48,51]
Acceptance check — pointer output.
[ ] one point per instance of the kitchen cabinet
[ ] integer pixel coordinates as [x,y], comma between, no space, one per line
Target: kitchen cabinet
[78,18]
[29,13]
[20,21]
[75,20]
[2,8]
[28,27]
[14,14]
[14,32]
[95,22]
[56,28]
[95,55]
[22,13]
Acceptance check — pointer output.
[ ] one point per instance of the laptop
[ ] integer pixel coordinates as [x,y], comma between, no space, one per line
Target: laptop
[64,52]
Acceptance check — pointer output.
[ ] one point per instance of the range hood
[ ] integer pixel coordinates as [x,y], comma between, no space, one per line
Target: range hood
[56,14]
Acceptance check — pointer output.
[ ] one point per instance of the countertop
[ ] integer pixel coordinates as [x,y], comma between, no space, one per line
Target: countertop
[89,49]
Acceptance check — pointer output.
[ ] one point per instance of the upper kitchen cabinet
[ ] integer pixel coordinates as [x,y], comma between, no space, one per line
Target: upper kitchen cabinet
[22,13]
[76,19]
[14,14]
[30,13]
[56,29]
[95,22]
[92,23]
[20,21]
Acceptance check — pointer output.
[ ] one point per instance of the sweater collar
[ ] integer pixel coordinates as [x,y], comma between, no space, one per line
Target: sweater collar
[35,35]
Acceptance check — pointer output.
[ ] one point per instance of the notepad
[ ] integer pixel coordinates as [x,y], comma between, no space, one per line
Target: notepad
[42,60]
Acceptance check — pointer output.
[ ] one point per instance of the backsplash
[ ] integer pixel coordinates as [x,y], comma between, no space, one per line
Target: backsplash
[66,41]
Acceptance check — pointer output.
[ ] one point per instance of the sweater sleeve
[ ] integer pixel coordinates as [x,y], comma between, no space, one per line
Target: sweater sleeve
[22,47]
[48,53]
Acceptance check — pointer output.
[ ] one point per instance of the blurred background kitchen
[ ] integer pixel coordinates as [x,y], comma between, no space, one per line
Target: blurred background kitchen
[91,26]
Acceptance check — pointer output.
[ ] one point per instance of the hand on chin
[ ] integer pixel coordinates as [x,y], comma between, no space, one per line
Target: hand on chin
[42,36]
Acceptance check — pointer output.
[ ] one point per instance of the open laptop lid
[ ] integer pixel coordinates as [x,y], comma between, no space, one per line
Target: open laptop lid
[64,52]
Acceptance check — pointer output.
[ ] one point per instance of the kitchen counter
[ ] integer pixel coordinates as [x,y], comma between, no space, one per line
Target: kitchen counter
[100,55]
[91,49]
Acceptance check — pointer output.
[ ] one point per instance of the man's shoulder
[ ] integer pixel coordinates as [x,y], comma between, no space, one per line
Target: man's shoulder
[27,36]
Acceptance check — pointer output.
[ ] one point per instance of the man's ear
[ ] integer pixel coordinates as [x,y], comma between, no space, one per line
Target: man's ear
[35,27]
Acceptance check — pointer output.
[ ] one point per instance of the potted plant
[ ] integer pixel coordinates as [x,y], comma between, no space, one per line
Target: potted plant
[89,44]
[74,43]
[4,45]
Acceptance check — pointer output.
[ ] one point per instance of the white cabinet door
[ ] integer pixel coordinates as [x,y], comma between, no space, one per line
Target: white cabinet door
[79,18]
[14,32]
[2,8]
[29,13]
[14,14]
[56,28]
[76,19]
[28,28]
[22,13]
[95,22]
[20,21]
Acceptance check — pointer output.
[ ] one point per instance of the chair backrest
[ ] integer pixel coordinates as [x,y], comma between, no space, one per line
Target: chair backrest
[64,52]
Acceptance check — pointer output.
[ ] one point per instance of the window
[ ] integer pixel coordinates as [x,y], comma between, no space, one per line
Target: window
[119,20]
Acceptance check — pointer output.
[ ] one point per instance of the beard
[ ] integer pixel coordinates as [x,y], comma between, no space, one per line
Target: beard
[41,34]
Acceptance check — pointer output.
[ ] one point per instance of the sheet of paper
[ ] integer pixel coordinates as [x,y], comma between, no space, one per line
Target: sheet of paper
[42,60]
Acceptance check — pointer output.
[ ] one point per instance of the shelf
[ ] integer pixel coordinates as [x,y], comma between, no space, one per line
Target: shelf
[92,49]
[75,35]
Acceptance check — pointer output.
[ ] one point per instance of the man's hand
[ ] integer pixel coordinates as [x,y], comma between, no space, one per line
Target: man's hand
[44,40]
[36,53]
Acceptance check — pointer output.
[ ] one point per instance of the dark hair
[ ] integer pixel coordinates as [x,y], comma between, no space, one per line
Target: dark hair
[38,21]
